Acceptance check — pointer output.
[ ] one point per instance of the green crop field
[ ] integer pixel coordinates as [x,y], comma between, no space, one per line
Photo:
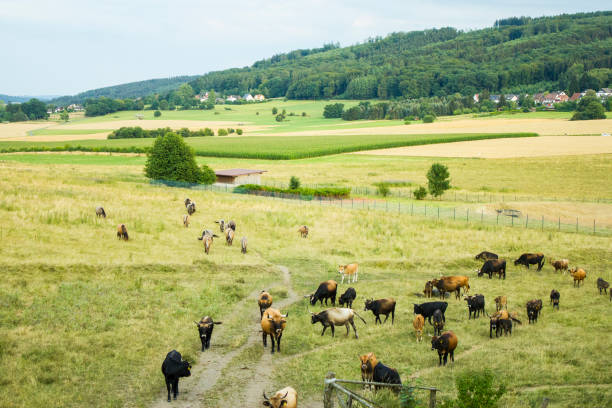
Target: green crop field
[81,307]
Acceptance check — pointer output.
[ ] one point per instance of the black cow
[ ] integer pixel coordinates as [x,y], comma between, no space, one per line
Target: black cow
[427,309]
[476,305]
[485,256]
[174,368]
[603,285]
[506,326]
[438,323]
[533,310]
[494,266]
[205,328]
[531,259]
[347,297]
[554,298]
[494,324]
[384,374]
[326,290]
[381,306]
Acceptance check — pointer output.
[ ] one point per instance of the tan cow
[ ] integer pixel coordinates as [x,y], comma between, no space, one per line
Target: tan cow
[418,323]
[207,243]
[273,323]
[285,398]
[186,220]
[501,302]
[122,232]
[560,265]
[452,284]
[349,270]
[229,236]
[303,230]
[578,274]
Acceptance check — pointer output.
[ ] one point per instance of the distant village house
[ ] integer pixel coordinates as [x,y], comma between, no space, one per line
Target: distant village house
[238,177]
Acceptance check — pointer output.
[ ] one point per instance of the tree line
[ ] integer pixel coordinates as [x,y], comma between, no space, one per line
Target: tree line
[34,109]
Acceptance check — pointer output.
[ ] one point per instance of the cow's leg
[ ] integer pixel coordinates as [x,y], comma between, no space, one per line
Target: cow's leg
[354,329]
[264,335]
[324,328]
[348,329]
[168,387]
[333,329]
[440,357]
[343,279]
[333,300]
[278,342]
[272,342]
[452,354]
[392,316]
[355,277]
[175,387]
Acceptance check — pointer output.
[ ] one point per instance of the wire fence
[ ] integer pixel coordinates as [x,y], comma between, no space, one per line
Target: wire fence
[512,219]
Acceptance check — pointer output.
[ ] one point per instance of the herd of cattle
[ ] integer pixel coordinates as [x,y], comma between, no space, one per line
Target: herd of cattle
[273,323]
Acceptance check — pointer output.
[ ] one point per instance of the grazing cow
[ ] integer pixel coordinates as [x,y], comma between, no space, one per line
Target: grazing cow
[602,284]
[122,232]
[373,370]
[492,266]
[187,202]
[445,344]
[578,274]
[427,309]
[205,328]
[428,291]
[452,284]
[221,225]
[533,310]
[174,368]
[560,265]
[501,302]
[438,322]
[243,245]
[347,297]
[191,208]
[326,290]
[285,398]
[418,323]
[349,270]
[273,323]
[264,301]
[100,212]
[381,306]
[336,317]
[229,236]
[485,256]
[531,259]
[207,243]
[207,233]
[554,298]
[303,230]
[186,220]
[476,305]
[231,224]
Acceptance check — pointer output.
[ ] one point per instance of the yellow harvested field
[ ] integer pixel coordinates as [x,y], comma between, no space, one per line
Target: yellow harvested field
[11,130]
[154,124]
[506,148]
[58,138]
[544,127]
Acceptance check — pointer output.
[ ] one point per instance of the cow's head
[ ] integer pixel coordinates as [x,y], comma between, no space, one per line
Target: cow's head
[436,343]
[278,322]
[417,309]
[341,269]
[276,401]
[517,261]
[315,318]
[368,304]
[368,362]
[186,372]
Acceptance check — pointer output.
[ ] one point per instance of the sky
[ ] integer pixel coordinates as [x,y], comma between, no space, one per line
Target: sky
[69,46]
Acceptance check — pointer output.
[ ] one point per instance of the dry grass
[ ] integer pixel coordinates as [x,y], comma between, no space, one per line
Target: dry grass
[14,131]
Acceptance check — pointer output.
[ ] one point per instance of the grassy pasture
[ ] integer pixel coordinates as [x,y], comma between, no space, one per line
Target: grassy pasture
[72,293]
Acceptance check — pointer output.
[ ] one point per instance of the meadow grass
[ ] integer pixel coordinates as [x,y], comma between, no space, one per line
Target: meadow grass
[72,294]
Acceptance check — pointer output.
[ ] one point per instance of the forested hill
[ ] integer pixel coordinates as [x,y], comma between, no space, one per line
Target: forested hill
[570,52]
[129,90]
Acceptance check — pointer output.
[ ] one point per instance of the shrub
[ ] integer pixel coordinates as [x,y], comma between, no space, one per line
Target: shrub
[406,122]
[428,118]
[221,132]
[157,114]
[230,130]
[208,175]
[294,183]
[332,192]
[420,193]
[304,114]
[274,110]
[475,389]
[383,189]
[171,159]
[438,179]
[208,132]
[589,108]
[279,117]
[333,110]
[239,131]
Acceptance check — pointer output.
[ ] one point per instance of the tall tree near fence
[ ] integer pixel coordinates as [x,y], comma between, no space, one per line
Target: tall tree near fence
[438,179]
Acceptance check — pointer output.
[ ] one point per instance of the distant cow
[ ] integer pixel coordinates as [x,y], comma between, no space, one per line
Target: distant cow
[349,270]
[485,256]
[264,302]
[506,326]
[174,368]
[438,322]
[578,274]
[191,208]
[381,306]
[207,241]
[428,291]
[418,324]
[445,344]
[122,232]
[347,297]
[492,266]
[221,225]
[207,233]
[374,371]
[476,305]
[602,284]
[100,212]
[533,310]
[303,230]
[187,202]
[273,323]
[501,302]
[326,290]
[554,298]
[231,224]
[336,317]
[243,245]
[186,220]
[285,398]
[427,309]
[229,236]
[560,265]
[452,284]
[494,325]
[531,259]
[205,329]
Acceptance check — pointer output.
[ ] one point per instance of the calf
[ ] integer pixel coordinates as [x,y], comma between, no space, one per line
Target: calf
[349,270]
[560,265]
[533,310]
[494,324]
[506,326]
[492,266]
[191,208]
[531,259]
[264,302]
[174,368]
[221,225]
[381,306]
[485,256]
[273,323]
[476,305]
[427,309]
[418,324]
[303,230]
[578,274]
[205,329]
[336,317]
[243,245]
[452,284]
[100,212]
[438,322]
[374,371]
[428,291]
[207,243]
[285,398]
[602,284]
[445,344]
[229,236]
[348,297]
[186,220]
[326,290]
[554,298]
[122,232]
[231,224]
[501,302]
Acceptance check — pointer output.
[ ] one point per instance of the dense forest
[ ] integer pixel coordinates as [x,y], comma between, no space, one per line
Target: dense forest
[519,54]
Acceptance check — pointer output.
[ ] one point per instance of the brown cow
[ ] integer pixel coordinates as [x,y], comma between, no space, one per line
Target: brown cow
[381,306]
[445,344]
[578,274]
[428,291]
[207,243]
[501,302]
[285,398]
[531,259]
[349,270]
[273,323]
[122,232]
[264,301]
[452,284]
[373,370]
[418,323]
[303,230]
[560,265]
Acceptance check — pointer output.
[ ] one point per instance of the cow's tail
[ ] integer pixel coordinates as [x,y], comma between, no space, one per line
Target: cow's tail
[516,320]
[362,319]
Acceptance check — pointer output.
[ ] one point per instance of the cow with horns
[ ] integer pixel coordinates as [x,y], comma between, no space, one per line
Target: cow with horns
[273,323]
[336,316]
[173,368]
[205,329]
[285,398]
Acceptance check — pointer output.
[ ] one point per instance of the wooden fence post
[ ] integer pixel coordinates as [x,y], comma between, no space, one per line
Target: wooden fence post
[545,402]
[328,401]
[432,398]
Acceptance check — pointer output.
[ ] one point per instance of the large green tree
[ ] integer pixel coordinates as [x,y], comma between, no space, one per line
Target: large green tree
[438,179]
